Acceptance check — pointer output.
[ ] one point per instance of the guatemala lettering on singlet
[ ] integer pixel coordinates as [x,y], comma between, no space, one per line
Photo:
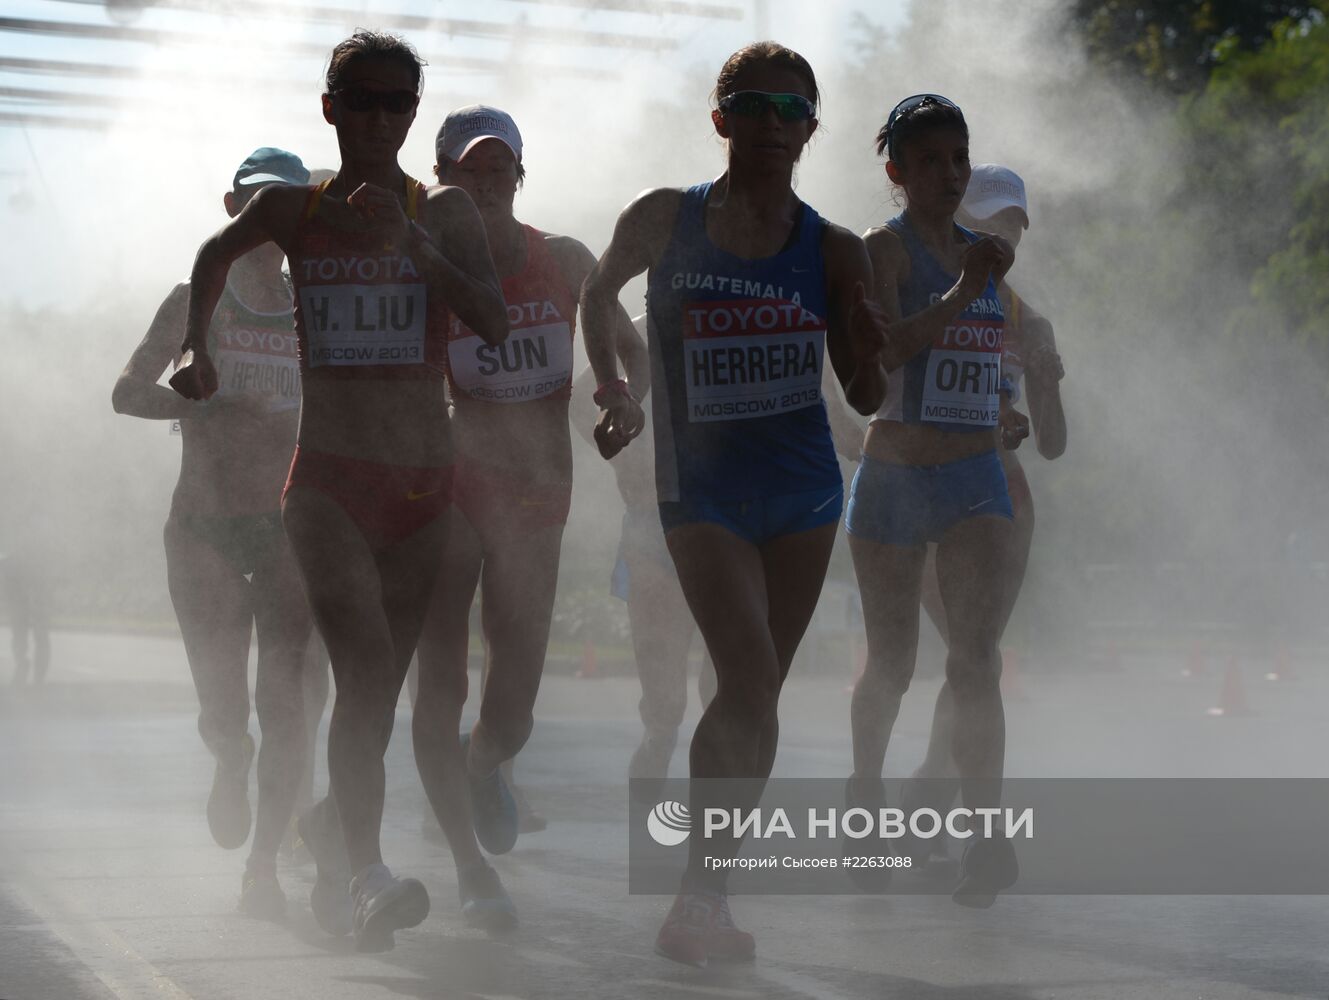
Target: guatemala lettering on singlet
[745,358]
[363,323]
[964,367]
[535,361]
[258,362]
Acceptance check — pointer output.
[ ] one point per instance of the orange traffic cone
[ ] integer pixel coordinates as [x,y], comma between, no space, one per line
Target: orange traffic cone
[1282,670]
[1232,696]
[590,667]
[1012,686]
[1195,663]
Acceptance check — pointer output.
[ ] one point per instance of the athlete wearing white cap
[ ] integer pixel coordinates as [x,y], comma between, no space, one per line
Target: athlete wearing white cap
[996,202]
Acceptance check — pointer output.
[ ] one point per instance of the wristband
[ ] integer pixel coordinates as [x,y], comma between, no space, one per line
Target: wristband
[618,387]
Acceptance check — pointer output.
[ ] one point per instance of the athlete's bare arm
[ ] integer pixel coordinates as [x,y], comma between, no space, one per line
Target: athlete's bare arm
[856,326]
[1043,373]
[988,258]
[459,265]
[269,216]
[640,236]
[136,391]
[575,261]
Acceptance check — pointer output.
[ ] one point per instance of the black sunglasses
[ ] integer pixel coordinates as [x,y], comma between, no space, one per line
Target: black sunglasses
[394,102]
[753,104]
[907,107]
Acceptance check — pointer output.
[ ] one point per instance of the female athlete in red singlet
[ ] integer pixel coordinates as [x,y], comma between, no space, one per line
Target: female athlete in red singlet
[225,524]
[512,489]
[379,266]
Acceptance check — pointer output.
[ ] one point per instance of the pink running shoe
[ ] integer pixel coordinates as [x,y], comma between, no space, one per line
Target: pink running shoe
[726,943]
[687,928]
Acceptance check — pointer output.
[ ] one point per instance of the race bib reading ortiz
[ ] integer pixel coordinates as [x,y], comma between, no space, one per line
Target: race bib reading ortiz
[258,362]
[751,358]
[364,324]
[964,373]
[535,361]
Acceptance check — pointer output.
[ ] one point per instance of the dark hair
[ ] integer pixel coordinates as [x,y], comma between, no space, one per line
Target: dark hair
[367,44]
[445,164]
[770,53]
[928,116]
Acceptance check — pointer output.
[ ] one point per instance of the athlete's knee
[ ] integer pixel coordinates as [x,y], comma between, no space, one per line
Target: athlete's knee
[974,671]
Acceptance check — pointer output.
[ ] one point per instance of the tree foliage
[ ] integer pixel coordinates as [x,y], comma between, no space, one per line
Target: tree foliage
[1176,43]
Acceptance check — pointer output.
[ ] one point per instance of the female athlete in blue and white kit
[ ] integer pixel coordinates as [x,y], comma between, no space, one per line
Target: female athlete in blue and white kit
[930,472]
[747,289]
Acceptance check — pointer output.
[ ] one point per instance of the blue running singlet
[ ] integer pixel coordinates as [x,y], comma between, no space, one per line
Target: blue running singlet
[737,349]
[954,383]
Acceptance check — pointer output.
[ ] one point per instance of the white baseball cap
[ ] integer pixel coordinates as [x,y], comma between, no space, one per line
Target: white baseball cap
[464,128]
[992,188]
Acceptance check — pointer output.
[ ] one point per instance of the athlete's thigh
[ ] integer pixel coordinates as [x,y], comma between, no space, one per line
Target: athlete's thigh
[795,568]
[724,583]
[447,617]
[890,580]
[972,571]
[281,610]
[337,565]
[519,578]
[658,613]
[211,599]
[409,570]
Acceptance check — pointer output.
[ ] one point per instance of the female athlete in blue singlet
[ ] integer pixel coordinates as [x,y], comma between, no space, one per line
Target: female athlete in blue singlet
[930,472]
[748,289]
[379,266]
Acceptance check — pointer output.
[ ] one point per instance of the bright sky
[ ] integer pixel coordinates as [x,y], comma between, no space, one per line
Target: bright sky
[71,199]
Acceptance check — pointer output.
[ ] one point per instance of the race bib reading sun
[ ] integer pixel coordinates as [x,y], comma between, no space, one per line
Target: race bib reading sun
[750,358]
[364,324]
[964,374]
[534,362]
[260,362]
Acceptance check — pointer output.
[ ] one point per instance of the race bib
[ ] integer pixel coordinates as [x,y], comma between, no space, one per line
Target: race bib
[964,374]
[276,376]
[364,324]
[534,362]
[751,358]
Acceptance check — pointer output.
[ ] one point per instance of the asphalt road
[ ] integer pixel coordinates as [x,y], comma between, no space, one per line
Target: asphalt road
[110,886]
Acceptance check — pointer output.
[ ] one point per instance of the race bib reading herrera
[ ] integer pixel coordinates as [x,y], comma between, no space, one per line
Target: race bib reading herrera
[964,375]
[534,362]
[751,358]
[364,324]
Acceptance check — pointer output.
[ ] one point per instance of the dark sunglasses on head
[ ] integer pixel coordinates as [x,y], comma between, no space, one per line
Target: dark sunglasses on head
[753,103]
[908,106]
[394,102]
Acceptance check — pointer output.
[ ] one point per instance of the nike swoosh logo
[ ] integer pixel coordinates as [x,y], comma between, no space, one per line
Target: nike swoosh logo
[412,495]
[987,501]
[801,270]
[822,506]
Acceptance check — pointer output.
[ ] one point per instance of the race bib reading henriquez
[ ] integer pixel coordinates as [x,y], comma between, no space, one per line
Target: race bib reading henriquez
[751,358]
[258,361]
[364,324]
